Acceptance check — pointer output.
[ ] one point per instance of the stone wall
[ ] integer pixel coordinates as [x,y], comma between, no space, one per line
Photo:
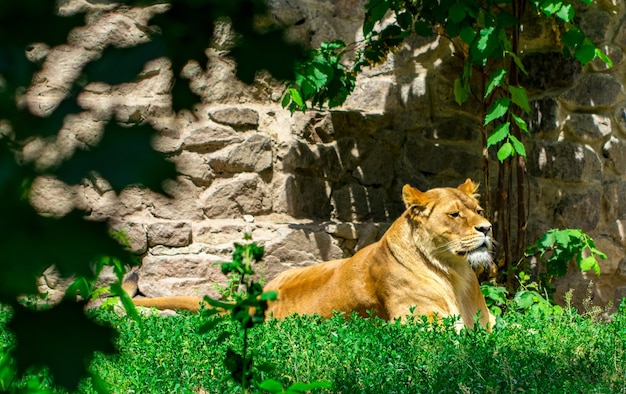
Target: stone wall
[323,184]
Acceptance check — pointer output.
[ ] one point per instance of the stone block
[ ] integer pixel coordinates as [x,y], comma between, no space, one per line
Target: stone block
[588,127]
[615,150]
[334,159]
[377,169]
[579,210]
[594,23]
[236,117]
[593,91]
[563,160]
[392,138]
[301,245]
[314,127]
[341,230]
[179,202]
[547,71]
[362,99]
[453,129]
[52,197]
[620,37]
[355,202]
[189,275]
[253,155]
[195,166]
[619,116]
[435,158]
[134,234]
[615,197]
[307,197]
[210,138]
[245,193]
[174,234]
[350,123]
[299,156]
[543,115]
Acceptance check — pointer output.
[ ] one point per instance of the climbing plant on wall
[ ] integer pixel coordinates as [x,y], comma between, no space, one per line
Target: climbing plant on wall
[485,35]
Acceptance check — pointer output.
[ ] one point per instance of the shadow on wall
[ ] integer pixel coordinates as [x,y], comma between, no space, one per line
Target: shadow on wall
[350,166]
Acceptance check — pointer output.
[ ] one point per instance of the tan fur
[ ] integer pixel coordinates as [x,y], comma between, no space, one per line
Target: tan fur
[174,302]
[422,264]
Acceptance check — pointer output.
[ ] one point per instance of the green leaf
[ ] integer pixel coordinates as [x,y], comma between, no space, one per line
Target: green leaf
[456,13]
[7,370]
[219,304]
[518,146]
[286,100]
[423,28]
[307,88]
[299,387]
[524,299]
[499,134]
[332,45]
[521,123]
[269,296]
[375,11]
[547,241]
[566,12]
[519,97]
[484,39]
[518,61]
[549,7]
[271,385]
[586,52]
[494,292]
[505,151]
[405,20]
[127,302]
[467,34]
[321,73]
[497,110]
[296,97]
[590,263]
[602,56]
[562,237]
[495,80]
[461,91]
[573,37]
[80,286]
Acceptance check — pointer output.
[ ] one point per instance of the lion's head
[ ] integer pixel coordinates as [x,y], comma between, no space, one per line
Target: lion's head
[450,224]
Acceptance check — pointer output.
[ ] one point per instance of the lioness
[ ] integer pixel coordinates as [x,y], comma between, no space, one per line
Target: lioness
[422,265]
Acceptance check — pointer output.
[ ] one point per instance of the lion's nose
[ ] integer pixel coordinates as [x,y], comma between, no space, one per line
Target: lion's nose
[483,228]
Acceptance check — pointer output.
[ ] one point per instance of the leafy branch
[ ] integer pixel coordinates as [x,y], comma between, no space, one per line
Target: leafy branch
[247,310]
[559,247]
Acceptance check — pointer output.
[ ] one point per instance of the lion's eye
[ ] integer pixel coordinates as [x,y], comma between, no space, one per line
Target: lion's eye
[455,215]
[481,212]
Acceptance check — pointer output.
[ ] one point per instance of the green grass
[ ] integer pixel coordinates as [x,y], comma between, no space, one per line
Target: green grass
[568,353]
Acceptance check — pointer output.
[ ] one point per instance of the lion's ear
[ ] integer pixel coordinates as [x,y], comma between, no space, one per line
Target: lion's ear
[414,198]
[469,187]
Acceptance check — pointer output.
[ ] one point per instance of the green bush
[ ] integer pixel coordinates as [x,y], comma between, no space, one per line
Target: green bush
[527,352]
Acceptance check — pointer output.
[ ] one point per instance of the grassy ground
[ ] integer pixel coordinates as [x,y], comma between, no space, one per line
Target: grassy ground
[526,353]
